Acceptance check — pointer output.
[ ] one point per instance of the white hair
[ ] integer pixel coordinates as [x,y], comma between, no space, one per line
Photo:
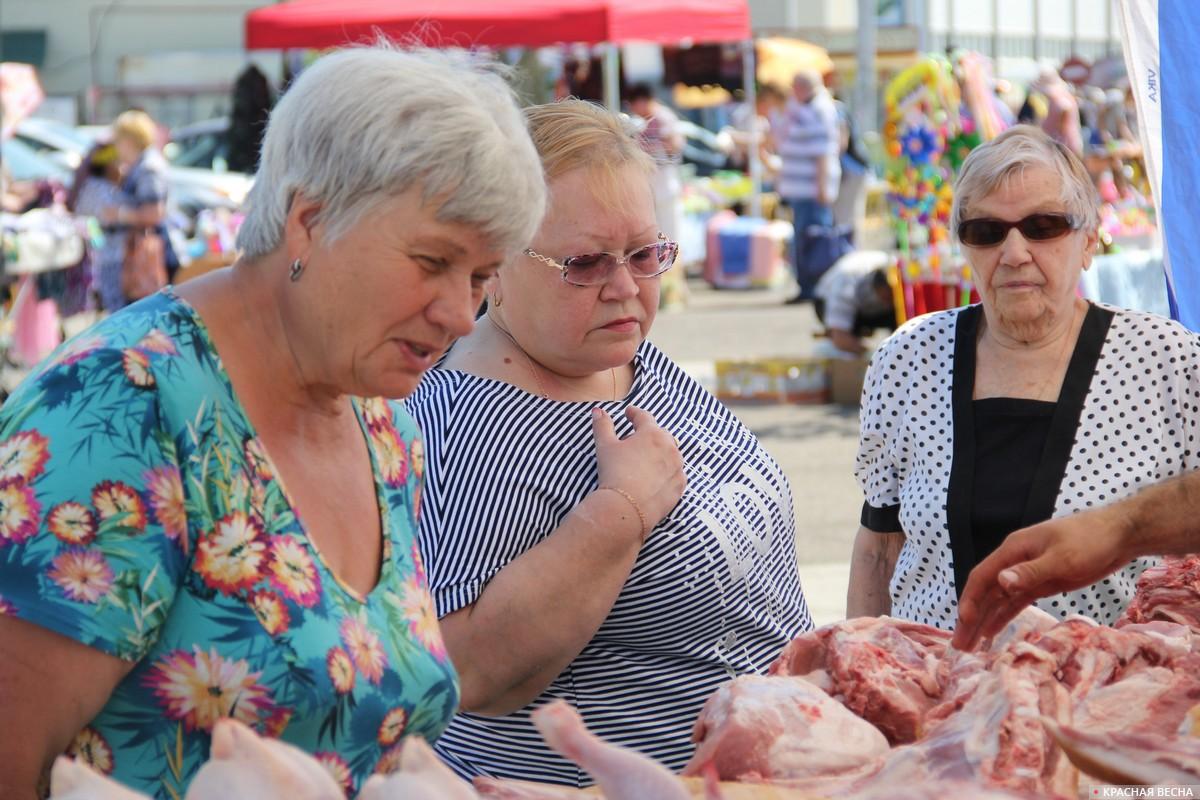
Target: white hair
[809,77]
[365,124]
[992,164]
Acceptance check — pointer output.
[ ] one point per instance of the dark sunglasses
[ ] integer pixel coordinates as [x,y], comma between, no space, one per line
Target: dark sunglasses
[986,232]
[596,268]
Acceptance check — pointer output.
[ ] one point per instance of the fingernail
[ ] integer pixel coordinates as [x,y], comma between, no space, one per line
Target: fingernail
[1008,578]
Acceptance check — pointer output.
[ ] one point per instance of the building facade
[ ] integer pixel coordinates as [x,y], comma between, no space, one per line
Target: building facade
[1019,35]
[178,58]
[175,58]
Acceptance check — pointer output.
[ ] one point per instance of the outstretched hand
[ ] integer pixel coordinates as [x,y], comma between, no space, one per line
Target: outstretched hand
[1059,555]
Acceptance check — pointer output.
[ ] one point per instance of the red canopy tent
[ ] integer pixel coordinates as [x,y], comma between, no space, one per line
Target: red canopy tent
[320,24]
[466,23]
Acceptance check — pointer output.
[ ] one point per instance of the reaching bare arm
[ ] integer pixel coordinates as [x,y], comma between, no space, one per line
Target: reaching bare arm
[50,687]
[1068,553]
[846,341]
[871,566]
[822,177]
[537,614]
[145,216]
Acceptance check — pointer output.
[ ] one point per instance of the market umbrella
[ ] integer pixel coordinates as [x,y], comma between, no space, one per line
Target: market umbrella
[779,59]
[20,94]
[690,97]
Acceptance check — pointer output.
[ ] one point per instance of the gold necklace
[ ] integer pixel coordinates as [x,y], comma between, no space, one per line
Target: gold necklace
[533,369]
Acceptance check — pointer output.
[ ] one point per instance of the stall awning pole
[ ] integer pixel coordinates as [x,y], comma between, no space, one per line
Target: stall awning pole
[753,159]
[612,79]
[865,91]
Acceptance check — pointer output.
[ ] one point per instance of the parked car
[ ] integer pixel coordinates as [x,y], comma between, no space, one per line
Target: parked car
[24,163]
[189,190]
[202,145]
[54,140]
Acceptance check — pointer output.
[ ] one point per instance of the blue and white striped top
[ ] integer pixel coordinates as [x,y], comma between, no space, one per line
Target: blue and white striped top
[811,133]
[713,593]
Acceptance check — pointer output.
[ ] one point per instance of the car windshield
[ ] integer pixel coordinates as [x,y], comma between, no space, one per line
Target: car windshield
[205,150]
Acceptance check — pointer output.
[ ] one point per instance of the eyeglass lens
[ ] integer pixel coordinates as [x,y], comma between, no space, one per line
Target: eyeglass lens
[645,262]
[1035,227]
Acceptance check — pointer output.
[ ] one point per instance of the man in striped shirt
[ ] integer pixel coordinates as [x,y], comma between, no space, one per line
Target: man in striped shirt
[808,182]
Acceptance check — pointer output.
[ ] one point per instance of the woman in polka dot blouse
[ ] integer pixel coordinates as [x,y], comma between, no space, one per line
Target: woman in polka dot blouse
[1032,405]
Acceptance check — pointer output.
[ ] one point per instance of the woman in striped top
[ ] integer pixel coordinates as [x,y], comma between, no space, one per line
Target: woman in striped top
[596,526]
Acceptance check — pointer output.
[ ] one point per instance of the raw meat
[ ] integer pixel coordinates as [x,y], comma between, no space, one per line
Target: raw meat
[244,764]
[1169,592]
[883,669]
[995,737]
[1088,654]
[771,728]
[940,790]
[621,774]
[421,777]
[698,789]
[74,780]
[1153,700]
[1130,758]
[975,716]
[504,789]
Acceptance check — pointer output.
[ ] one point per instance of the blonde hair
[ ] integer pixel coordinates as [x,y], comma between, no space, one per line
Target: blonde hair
[574,134]
[992,164]
[137,127]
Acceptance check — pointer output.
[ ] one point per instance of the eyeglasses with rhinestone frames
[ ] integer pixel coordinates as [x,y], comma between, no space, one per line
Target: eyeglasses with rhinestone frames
[593,269]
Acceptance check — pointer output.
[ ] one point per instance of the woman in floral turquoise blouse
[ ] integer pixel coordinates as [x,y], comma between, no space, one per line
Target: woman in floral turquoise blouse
[207,503]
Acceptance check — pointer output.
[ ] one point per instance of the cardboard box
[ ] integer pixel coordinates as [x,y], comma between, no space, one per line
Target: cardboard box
[773,381]
[846,380]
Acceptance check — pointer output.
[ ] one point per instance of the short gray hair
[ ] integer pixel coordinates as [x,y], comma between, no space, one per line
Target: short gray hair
[990,165]
[809,77]
[368,123]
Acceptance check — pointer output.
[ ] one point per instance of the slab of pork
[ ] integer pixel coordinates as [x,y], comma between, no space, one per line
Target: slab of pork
[758,728]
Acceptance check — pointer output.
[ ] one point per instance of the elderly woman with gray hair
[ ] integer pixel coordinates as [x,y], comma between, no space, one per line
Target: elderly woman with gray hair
[1032,405]
[209,501]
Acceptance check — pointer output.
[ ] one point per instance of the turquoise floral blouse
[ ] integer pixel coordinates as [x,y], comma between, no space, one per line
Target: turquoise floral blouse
[140,515]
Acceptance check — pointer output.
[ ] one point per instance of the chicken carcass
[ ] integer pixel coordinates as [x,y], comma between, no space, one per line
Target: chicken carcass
[422,776]
[75,780]
[244,764]
[509,789]
[757,728]
[621,774]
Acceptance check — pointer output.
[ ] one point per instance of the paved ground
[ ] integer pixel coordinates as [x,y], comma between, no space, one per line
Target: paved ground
[815,444]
